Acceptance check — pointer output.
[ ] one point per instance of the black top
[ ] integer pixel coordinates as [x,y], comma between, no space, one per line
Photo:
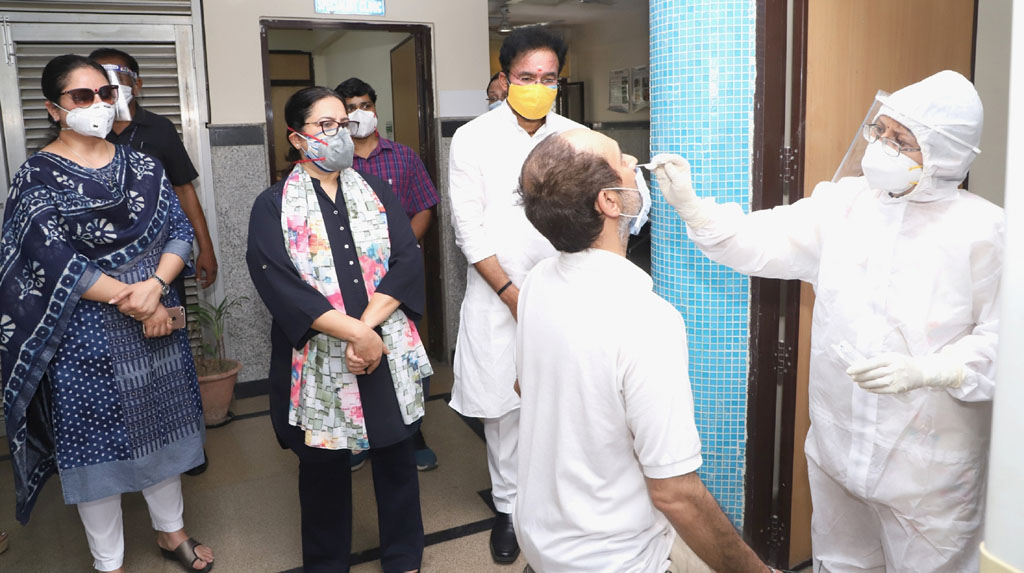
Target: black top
[155,135]
[294,305]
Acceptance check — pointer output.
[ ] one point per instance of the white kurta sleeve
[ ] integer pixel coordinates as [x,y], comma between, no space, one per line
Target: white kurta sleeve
[467,199]
[782,243]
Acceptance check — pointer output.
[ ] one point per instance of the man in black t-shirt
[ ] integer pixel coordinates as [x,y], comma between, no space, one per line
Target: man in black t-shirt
[156,136]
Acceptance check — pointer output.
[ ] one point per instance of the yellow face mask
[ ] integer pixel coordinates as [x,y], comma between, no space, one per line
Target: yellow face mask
[531,101]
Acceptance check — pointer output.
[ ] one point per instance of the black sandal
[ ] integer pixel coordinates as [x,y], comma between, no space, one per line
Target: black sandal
[185,553]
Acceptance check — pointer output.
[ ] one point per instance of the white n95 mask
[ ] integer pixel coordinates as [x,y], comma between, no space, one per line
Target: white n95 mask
[893,175]
[367,123]
[95,120]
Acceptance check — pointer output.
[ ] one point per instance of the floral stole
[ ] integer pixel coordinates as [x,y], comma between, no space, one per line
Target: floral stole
[325,399]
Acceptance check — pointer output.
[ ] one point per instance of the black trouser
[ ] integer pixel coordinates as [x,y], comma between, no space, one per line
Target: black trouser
[325,494]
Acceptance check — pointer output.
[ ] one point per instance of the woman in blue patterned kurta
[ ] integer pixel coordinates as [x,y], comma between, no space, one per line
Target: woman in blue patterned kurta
[96,384]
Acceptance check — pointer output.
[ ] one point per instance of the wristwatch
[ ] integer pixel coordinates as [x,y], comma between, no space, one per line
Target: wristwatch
[164,287]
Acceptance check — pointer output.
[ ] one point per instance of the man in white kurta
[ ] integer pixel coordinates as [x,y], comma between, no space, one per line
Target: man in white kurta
[608,445]
[501,246]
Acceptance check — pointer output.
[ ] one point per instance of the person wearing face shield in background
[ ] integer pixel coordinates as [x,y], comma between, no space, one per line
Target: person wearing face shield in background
[155,135]
[906,270]
[496,91]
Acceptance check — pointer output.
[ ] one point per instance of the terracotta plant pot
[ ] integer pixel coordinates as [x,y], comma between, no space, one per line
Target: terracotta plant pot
[217,391]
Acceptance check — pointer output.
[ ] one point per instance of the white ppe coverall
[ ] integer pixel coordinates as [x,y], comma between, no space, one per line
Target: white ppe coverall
[897,480]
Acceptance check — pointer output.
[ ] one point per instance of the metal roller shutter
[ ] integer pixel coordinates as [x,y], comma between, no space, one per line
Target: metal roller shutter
[164,7]
[158,63]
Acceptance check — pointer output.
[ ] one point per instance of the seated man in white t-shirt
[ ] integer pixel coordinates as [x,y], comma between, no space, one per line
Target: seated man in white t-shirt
[608,449]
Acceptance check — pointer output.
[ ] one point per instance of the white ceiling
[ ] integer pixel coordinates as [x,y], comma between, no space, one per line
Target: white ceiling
[561,13]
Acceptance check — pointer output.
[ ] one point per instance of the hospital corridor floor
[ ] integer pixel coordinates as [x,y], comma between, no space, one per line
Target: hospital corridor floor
[246,504]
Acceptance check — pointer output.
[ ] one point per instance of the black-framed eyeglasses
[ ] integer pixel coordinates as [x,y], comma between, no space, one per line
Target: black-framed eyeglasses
[85,96]
[893,147]
[330,127]
[526,79]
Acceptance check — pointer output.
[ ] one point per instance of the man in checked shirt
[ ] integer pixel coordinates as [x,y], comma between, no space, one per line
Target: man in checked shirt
[403,169]
[393,162]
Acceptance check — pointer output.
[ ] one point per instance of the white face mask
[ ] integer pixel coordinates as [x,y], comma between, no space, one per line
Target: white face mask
[95,120]
[367,123]
[124,93]
[893,175]
[645,202]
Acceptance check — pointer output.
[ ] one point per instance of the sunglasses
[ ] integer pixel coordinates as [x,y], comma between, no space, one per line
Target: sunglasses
[85,96]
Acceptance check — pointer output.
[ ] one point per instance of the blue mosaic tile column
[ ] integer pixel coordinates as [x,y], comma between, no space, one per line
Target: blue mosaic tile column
[702,107]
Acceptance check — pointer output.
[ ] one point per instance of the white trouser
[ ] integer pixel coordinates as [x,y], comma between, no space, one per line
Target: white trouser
[853,535]
[104,528]
[502,436]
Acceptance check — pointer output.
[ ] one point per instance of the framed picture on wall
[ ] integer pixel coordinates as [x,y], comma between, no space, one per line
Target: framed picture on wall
[618,90]
[640,88]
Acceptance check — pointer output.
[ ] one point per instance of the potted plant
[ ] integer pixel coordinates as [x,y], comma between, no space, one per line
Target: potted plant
[217,374]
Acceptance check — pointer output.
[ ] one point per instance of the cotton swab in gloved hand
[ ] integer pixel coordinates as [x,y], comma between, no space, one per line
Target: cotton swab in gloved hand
[657,161]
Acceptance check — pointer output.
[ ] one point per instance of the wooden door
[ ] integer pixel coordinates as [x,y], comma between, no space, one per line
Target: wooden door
[405,94]
[855,49]
[288,72]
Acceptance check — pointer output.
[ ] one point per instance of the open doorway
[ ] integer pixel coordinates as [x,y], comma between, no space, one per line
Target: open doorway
[393,58]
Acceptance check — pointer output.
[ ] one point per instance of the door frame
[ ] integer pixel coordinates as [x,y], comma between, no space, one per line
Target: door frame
[777,179]
[424,57]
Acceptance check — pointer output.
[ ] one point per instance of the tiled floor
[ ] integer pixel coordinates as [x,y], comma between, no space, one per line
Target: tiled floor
[246,505]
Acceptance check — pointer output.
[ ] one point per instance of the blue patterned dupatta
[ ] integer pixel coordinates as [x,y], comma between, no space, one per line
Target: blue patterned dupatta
[63,226]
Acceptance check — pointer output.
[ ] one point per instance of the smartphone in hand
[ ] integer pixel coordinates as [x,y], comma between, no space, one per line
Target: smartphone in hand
[177,314]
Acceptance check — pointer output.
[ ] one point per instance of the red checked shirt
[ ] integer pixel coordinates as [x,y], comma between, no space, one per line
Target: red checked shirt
[400,166]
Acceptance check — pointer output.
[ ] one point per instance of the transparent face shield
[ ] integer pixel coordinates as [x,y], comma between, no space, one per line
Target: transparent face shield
[124,78]
[850,166]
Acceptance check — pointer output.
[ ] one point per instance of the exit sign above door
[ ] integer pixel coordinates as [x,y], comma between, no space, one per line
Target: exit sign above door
[363,7]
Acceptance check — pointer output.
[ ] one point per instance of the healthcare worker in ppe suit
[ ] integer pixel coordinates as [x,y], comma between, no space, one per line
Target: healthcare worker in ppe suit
[906,269]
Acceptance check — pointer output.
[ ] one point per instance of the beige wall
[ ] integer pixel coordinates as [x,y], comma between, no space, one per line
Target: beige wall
[235,67]
[992,79]
[599,47]
[367,56]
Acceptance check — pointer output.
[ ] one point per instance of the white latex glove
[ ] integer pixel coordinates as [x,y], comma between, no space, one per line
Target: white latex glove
[892,373]
[673,173]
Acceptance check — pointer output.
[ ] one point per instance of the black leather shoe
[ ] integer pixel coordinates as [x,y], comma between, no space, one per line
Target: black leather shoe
[200,468]
[504,547]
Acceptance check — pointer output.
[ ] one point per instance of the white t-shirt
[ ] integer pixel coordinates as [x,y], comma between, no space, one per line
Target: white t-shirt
[606,401]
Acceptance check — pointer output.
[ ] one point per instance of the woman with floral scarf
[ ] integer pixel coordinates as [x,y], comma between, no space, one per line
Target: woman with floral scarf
[335,261]
[97,387]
